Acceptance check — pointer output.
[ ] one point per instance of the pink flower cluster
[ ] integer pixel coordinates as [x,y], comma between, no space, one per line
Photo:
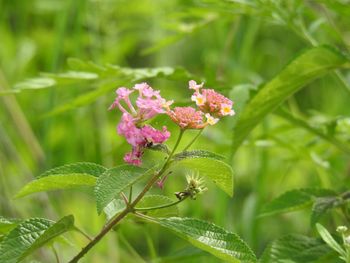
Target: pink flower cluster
[149,103]
[211,106]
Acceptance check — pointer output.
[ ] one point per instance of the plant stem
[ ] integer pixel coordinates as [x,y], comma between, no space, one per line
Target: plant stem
[55,253]
[160,206]
[83,233]
[129,208]
[193,140]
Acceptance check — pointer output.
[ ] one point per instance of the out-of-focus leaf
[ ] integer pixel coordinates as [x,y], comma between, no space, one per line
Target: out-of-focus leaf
[57,182]
[36,83]
[209,237]
[330,138]
[114,76]
[308,66]
[216,170]
[30,235]
[294,200]
[111,183]
[295,249]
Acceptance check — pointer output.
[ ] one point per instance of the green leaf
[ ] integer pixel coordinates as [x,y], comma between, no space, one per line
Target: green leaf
[160,148]
[296,249]
[30,235]
[92,169]
[217,171]
[321,206]
[158,200]
[208,237]
[294,200]
[57,182]
[6,224]
[112,182]
[197,154]
[308,66]
[327,237]
[113,208]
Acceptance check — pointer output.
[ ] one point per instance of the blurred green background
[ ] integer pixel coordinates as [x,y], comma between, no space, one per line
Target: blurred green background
[233,46]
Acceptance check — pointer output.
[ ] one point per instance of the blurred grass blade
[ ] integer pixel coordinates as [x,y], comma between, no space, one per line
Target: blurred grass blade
[311,64]
[208,237]
[30,235]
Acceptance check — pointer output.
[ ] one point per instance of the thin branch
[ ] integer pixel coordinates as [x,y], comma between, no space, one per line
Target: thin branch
[160,206]
[83,233]
[193,140]
[130,207]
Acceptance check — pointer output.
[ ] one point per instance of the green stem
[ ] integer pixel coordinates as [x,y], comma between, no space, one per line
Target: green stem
[56,254]
[128,209]
[193,140]
[160,206]
[83,233]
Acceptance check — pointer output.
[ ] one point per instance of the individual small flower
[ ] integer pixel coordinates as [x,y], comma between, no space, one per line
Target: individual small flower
[226,109]
[187,118]
[210,119]
[198,98]
[193,85]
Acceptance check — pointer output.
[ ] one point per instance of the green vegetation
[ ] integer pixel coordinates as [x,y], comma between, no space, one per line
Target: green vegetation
[269,184]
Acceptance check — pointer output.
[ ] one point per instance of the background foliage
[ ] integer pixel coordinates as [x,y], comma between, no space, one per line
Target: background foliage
[90,47]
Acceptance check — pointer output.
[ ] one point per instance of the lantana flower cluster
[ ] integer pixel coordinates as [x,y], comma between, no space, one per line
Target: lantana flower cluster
[211,106]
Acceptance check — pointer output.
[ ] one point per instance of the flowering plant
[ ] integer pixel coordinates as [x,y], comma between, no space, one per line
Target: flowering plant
[138,106]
